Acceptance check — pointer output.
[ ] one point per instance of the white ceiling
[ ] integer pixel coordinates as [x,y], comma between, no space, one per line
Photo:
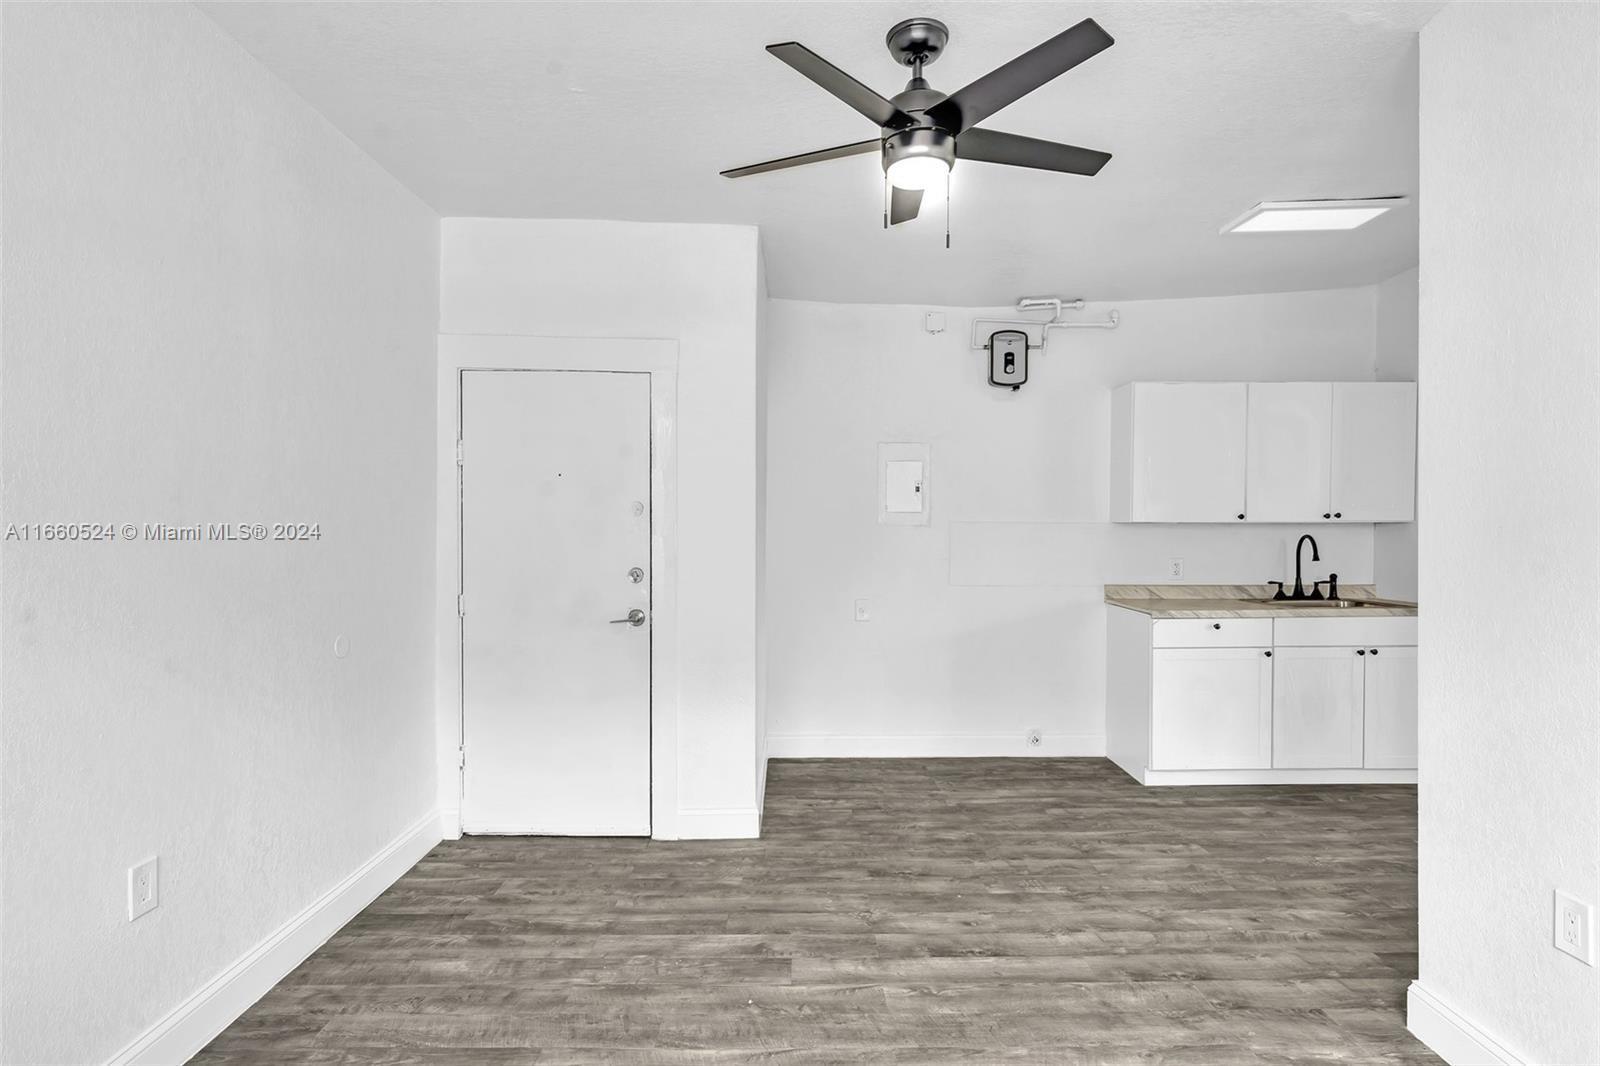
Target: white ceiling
[628,111]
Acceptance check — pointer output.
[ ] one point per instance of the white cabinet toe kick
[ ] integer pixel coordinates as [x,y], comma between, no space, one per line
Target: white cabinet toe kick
[1252,701]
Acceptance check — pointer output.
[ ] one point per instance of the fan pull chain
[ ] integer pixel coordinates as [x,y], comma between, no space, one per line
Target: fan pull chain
[947,210]
[885,199]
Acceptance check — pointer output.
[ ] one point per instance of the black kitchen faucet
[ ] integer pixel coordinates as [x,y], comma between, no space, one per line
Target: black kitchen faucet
[1300,592]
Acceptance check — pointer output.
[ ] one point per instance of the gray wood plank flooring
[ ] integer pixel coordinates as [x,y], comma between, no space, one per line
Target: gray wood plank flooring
[894,911]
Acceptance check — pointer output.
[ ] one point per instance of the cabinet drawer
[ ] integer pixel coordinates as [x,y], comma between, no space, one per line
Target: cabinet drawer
[1212,633]
[1373,631]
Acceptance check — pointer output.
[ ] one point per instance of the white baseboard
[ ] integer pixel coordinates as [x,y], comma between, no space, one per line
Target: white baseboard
[761,783]
[719,823]
[195,1022]
[450,823]
[932,746]
[1449,1035]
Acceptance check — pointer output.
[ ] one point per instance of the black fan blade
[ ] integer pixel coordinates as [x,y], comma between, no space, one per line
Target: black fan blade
[841,85]
[989,146]
[904,205]
[1011,82]
[820,155]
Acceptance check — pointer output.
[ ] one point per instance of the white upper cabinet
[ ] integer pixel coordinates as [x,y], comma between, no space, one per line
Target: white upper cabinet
[1289,449]
[1374,467]
[1178,452]
[1289,452]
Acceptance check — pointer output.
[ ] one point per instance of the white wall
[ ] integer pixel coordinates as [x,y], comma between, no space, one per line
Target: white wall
[1394,544]
[699,286]
[763,375]
[1509,508]
[216,309]
[989,621]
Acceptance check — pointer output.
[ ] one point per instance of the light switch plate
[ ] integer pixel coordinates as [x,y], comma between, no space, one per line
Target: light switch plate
[863,611]
[1574,928]
[144,890]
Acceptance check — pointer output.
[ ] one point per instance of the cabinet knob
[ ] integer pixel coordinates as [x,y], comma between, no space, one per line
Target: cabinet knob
[1216,625]
[1241,517]
[1338,514]
[1361,651]
[1268,654]
[1325,514]
[1374,651]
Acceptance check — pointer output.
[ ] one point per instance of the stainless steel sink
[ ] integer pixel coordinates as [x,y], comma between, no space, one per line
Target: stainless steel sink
[1331,603]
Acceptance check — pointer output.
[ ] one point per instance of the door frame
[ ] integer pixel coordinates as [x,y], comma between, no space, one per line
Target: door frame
[459,353]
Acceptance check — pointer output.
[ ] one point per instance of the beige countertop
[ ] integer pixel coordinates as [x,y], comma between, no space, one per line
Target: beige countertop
[1248,601]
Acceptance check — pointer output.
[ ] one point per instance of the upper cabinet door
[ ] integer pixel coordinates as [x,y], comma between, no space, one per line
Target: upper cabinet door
[1374,451]
[1183,449]
[1289,450]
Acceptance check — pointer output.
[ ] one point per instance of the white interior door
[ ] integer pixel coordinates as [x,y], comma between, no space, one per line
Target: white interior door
[555,537]
[1289,440]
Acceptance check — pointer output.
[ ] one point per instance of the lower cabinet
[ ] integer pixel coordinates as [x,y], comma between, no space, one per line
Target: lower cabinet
[1390,688]
[1220,700]
[1317,708]
[1211,708]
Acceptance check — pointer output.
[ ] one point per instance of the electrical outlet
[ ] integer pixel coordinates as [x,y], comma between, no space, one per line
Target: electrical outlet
[1035,738]
[1574,926]
[863,611]
[1174,567]
[144,891]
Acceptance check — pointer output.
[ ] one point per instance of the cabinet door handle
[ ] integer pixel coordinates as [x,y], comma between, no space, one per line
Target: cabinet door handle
[1338,514]
[1241,518]
[1268,654]
[1216,625]
[1374,651]
[1361,651]
[1325,514]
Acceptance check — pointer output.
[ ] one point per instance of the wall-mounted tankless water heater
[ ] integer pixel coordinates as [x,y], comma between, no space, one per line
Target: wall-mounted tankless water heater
[1008,349]
[1008,359]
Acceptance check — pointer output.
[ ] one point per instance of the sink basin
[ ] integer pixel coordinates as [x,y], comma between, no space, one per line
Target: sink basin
[1330,603]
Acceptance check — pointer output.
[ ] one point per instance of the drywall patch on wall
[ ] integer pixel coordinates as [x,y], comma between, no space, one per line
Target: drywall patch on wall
[1091,555]
[216,310]
[1509,461]
[989,622]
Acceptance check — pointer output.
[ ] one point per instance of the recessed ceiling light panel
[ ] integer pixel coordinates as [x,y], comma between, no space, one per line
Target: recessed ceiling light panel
[1299,216]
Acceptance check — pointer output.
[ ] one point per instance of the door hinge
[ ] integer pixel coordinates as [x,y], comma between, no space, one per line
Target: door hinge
[461,604]
[461,758]
[458,452]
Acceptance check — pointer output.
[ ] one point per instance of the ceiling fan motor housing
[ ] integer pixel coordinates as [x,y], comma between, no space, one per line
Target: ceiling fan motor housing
[918,141]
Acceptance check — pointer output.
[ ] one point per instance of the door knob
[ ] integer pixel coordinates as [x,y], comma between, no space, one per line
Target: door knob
[635,618]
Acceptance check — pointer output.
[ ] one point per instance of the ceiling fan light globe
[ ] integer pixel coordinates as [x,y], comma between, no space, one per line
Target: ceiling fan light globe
[919,172]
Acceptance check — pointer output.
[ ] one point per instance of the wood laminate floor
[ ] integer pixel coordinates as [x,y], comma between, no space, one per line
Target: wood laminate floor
[894,911]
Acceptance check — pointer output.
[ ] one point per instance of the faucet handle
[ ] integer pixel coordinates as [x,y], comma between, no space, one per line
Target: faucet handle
[1281,595]
[1316,590]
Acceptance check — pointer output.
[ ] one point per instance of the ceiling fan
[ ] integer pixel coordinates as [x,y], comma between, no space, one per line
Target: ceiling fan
[922,132]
